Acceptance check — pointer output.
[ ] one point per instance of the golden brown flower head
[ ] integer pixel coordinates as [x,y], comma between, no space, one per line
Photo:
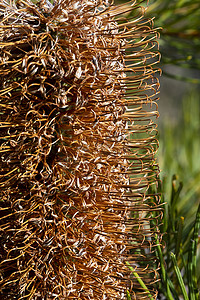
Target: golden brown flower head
[77,150]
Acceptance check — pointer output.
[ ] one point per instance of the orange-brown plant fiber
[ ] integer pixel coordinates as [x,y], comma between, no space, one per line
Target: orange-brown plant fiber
[77,147]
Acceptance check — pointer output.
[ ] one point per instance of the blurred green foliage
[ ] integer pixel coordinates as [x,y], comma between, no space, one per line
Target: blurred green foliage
[179,160]
[179,276]
[178,22]
[180,34]
[179,153]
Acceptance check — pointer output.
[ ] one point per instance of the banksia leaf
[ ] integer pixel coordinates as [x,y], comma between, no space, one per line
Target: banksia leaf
[77,150]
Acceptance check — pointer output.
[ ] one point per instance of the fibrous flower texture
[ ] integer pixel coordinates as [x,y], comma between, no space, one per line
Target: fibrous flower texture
[77,145]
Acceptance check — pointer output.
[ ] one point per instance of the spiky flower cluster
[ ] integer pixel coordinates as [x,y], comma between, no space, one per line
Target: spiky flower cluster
[72,185]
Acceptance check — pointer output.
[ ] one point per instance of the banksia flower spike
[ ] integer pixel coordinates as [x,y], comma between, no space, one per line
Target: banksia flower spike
[77,144]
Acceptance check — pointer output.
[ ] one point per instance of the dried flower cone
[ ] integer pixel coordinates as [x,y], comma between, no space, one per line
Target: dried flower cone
[77,150]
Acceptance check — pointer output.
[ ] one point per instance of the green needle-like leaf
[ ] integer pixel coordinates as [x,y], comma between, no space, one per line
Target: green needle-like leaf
[179,236]
[141,282]
[190,271]
[179,276]
[163,271]
[192,265]
[128,295]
